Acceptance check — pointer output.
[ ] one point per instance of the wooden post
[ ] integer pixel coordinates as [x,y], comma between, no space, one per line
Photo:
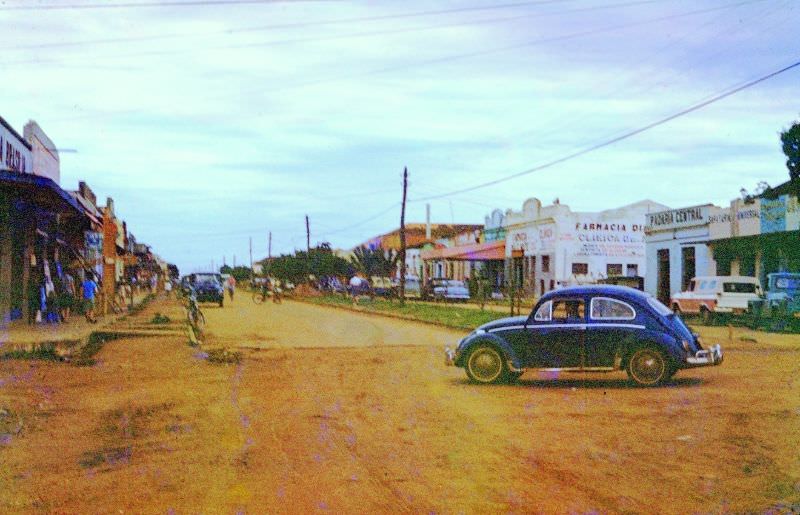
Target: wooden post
[403,240]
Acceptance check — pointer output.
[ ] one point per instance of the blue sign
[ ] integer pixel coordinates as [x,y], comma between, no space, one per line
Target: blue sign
[773,214]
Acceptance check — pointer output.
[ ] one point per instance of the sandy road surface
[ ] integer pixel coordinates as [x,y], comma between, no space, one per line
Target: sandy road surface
[332,411]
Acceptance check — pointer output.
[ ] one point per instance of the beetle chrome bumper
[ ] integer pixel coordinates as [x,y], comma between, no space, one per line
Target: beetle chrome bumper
[706,358]
[449,357]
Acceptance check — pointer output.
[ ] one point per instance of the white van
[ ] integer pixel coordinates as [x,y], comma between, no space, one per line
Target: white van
[717,294]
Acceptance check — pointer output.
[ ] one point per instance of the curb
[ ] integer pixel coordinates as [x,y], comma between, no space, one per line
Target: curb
[385,315]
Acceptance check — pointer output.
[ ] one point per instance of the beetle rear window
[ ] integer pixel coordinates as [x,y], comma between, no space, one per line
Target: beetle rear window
[543,314]
[603,308]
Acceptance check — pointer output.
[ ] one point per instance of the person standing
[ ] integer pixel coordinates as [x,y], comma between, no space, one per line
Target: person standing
[89,288]
[67,296]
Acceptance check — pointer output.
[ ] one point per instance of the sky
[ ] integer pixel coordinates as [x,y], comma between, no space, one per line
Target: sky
[211,122]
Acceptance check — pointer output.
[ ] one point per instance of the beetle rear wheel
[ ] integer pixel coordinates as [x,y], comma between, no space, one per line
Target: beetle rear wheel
[648,367]
[486,365]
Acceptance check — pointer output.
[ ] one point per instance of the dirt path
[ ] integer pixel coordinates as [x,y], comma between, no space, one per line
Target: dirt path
[342,412]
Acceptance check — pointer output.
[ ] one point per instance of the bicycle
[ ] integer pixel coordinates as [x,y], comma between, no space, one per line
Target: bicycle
[194,315]
[118,303]
[259,296]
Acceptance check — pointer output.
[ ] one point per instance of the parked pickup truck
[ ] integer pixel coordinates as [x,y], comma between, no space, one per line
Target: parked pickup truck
[782,301]
[717,294]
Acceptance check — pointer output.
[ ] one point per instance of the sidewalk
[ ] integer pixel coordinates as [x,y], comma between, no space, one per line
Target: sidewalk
[20,336]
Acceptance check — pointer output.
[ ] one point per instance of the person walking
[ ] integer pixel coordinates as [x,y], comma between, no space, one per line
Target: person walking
[231,285]
[89,288]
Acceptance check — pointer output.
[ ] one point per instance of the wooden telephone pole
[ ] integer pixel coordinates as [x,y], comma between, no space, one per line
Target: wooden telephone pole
[308,236]
[403,240]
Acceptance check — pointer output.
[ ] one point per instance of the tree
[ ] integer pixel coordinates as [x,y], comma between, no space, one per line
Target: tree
[790,140]
[375,261]
[240,273]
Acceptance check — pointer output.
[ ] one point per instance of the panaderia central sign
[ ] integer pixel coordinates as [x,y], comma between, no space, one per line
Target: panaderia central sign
[678,218]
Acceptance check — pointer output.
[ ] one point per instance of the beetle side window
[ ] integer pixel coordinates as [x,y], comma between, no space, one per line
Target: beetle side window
[603,308]
[543,314]
[568,310]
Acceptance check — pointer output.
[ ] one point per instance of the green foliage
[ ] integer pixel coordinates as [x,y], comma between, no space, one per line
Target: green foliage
[375,262]
[447,315]
[240,273]
[790,141]
[297,267]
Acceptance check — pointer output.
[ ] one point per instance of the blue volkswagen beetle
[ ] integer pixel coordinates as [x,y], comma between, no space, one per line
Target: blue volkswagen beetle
[585,329]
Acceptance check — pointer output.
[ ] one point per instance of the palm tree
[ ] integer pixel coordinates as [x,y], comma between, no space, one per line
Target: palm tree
[372,262]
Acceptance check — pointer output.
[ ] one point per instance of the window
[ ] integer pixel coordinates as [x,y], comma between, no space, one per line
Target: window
[543,314]
[632,270]
[568,310]
[580,268]
[739,287]
[704,285]
[545,264]
[692,285]
[603,308]
[613,269]
[688,257]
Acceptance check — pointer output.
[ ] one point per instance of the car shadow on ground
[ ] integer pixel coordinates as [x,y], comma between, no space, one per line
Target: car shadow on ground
[588,383]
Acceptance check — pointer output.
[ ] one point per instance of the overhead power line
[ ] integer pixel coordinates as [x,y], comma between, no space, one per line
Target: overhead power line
[617,139]
[133,5]
[295,25]
[506,48]
[206,3]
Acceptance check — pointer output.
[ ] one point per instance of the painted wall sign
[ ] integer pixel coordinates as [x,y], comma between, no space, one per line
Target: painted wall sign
[14,154]
[792,214]
[677,218]
[747,221]
[719,223]
[773,214]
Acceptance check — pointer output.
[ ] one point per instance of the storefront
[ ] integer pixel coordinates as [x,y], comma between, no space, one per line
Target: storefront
[553,246]
[677,247]
[763,236]
[41,226]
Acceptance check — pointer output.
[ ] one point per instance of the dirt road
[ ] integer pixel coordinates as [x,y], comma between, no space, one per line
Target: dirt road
[342,412]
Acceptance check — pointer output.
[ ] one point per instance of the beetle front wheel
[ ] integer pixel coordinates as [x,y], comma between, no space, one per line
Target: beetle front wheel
[648,367]
[486,365]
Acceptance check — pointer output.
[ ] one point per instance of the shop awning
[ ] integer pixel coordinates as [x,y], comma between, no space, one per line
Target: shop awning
[41,191]
[490,251]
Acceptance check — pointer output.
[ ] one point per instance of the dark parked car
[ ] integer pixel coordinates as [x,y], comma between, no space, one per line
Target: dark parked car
[586,329]
[208,288]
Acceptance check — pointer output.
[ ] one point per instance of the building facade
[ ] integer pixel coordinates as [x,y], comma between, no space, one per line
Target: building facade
[551,246]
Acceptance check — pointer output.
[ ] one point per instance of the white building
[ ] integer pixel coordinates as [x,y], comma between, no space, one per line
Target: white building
[550,246]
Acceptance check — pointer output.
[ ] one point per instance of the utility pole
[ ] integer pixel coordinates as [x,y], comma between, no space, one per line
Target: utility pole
[269,252]
[403,240]
[308,236]
[251,260]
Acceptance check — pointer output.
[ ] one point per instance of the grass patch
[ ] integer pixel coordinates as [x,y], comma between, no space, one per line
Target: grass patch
[224,356]
[158,318]
[42,353]
[447,315]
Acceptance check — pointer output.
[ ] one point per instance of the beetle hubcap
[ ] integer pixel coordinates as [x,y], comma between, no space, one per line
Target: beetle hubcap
[647,367]
[485,364]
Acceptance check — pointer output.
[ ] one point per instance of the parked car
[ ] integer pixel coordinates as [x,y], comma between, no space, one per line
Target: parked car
[208,288]
[413,288]
[782,299]
[382,287]
[448,289]
[585,329]
[717,294]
